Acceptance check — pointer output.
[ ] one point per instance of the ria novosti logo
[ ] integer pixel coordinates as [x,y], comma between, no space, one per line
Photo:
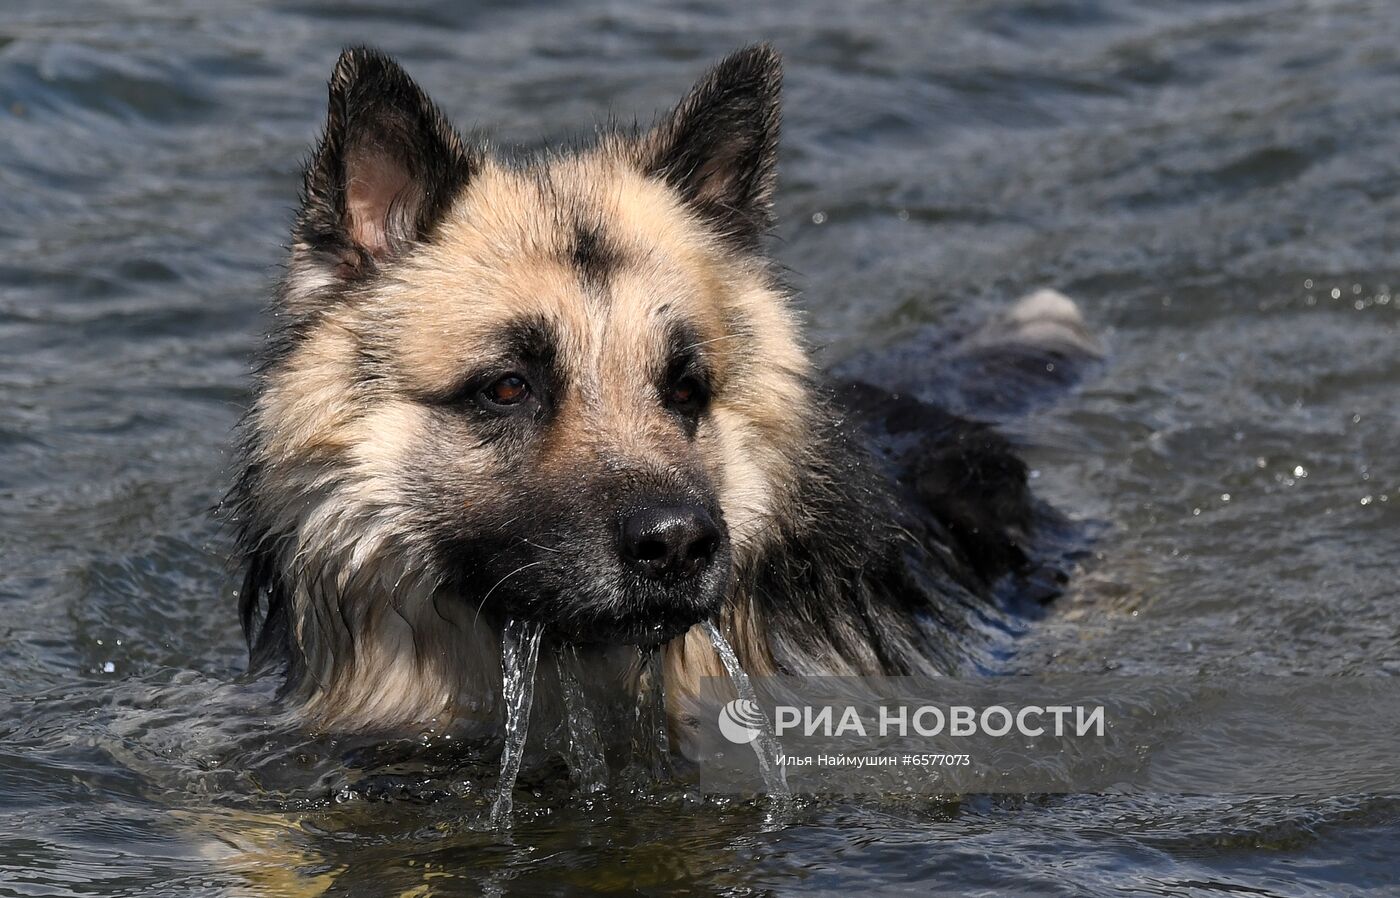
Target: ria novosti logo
[742,721]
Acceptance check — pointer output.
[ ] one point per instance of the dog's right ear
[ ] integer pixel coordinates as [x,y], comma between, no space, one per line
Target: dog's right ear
[386,169]
[719,147]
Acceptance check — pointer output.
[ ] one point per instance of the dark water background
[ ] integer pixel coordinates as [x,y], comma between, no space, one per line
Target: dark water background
[1216,183]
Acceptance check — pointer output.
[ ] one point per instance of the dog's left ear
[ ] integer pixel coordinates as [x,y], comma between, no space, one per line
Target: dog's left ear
[719,147]
[386,168]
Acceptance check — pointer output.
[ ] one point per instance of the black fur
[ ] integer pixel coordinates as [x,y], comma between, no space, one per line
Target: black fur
[719,147]
[908,520]
[573,518]
[591,255]
[264,603]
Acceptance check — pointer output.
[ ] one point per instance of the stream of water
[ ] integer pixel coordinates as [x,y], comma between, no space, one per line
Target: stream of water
[520,655]
[765,747]
[587,757]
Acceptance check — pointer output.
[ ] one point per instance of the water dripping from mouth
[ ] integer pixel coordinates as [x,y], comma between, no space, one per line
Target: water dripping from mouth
[586,757]
[520,654]
[651,745]
[766,747]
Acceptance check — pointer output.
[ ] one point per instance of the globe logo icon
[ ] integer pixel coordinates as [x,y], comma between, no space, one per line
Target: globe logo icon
[741,721]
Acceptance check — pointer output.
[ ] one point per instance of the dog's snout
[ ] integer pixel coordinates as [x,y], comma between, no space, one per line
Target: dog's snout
[669,541]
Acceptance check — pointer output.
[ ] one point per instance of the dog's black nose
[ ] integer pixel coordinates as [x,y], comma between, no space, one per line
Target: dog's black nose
[669,541]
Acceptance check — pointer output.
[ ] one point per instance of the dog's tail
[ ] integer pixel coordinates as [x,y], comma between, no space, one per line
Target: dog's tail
[1038,349]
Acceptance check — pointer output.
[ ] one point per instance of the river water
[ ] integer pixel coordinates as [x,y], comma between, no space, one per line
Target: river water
[1216,183]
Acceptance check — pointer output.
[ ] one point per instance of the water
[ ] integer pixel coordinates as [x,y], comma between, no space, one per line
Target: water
[766,746]
[650,741]
[520,655]
[587,755]
[1216,183]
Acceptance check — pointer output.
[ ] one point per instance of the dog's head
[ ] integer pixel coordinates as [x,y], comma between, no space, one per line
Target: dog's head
[566,388]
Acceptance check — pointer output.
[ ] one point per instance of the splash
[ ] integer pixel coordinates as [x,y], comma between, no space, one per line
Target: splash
[520,653]
[766,746]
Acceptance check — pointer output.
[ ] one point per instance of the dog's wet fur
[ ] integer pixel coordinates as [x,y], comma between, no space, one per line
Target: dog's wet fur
[572,389]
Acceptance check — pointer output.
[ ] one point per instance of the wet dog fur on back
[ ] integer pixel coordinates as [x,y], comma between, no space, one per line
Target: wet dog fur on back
[571,389]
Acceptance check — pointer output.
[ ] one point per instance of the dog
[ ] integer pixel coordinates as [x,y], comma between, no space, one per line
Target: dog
[571,388]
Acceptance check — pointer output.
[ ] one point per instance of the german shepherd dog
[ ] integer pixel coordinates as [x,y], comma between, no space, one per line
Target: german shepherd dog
[571,389]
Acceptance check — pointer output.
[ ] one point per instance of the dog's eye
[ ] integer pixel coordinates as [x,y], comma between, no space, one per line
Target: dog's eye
[506,391]
[686,395]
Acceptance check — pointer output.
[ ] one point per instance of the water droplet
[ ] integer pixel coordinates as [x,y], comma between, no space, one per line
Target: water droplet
[1336,293]
[109,667]
[1367,500]
[1300,471]
[903,214]
[818,218]
[1195,512]
[1261,462]
[1358,305]
[1224,497]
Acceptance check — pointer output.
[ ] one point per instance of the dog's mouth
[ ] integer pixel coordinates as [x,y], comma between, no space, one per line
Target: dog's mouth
[595,617]
[641,630]
[591,598]
[645,618]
